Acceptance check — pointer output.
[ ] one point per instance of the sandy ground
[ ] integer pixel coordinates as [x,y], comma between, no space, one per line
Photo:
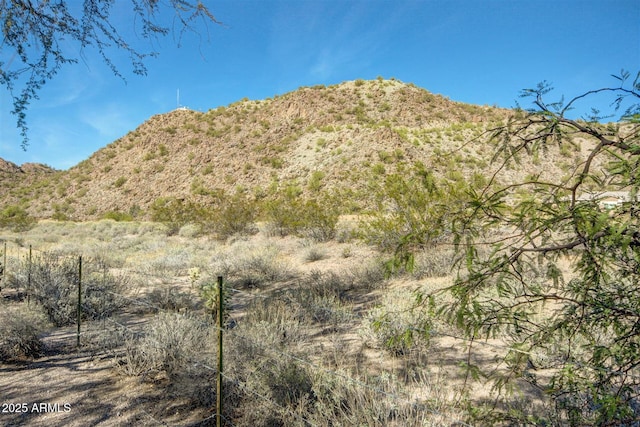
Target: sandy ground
[78,388]
[66,387]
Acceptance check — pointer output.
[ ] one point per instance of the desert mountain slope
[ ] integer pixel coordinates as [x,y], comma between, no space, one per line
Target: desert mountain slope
[336,136]
[16,181]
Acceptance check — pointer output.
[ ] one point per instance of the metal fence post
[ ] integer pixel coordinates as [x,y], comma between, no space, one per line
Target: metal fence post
[79,311]
[219,379]
[29,279]
[3,267]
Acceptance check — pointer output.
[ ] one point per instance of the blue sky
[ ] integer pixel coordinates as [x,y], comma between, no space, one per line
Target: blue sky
[481,52]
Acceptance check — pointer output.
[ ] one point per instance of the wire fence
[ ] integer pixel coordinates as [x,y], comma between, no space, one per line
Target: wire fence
[17,259]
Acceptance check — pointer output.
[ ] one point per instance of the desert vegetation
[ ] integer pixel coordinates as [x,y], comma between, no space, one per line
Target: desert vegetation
[446,275]
[306,340]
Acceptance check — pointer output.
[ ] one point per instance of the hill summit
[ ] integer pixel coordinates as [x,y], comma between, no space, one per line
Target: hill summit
[314,137]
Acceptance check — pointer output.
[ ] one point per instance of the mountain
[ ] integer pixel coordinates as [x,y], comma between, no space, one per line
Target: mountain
[335,136]
[9,169]
[16,181]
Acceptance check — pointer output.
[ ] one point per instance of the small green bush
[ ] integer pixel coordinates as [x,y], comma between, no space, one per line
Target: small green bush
[120,182]
[234,215]
[397,327]
[315,181]
[16,218]
[314,254]
[223,216]
[118,216]
[314,218]
[174,213]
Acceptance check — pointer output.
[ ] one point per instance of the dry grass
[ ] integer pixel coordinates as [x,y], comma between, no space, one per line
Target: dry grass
[319,342]
[21,328]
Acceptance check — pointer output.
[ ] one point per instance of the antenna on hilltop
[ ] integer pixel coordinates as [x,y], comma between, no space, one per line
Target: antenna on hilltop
[178,107]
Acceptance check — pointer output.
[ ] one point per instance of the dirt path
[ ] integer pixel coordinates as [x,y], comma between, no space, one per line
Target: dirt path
[66,387]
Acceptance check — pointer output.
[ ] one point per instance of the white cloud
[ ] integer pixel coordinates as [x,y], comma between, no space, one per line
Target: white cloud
[110,121]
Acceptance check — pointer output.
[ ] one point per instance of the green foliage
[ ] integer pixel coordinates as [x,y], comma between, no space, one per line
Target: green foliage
[118,216]
[412,209]
[120,182]
[273,161]
[16,218]
[223,215]
[173,212]
[315,181]
[314,218]
[400,334]
[210,293]
[91,25]
[378,169]
[579,323]
[385,157]
[234,215]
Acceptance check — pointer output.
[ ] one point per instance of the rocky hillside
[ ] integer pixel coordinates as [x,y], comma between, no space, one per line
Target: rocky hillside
[314,137]
[17,182]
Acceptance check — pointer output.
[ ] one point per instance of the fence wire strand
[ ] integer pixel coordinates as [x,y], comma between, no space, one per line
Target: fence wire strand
[275,354]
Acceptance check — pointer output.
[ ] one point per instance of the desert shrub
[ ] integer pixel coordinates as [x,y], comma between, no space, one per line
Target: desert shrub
[317,298]
[397,327]
[325,309]
[346,252]
[172,262]
[411,211]
[54,285]
[255,268]
[288,382]
[330,283]
[277,319]
[338,401]
[234,215]
[190,230]
[314,254]
[171,343]
[16,218]
[118,216]
[366,277]
[284,383]
[120,182]
[174,213]
[315,181]
[223,215]
[169,298]
[438,262]
[319,219]
[314,218]
[20,331]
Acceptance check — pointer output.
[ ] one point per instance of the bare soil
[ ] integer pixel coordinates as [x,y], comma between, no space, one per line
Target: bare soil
[78,388]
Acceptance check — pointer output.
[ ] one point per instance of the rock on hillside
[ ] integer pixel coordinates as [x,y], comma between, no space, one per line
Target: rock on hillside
[15,181]
[336,136]
[8,167]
